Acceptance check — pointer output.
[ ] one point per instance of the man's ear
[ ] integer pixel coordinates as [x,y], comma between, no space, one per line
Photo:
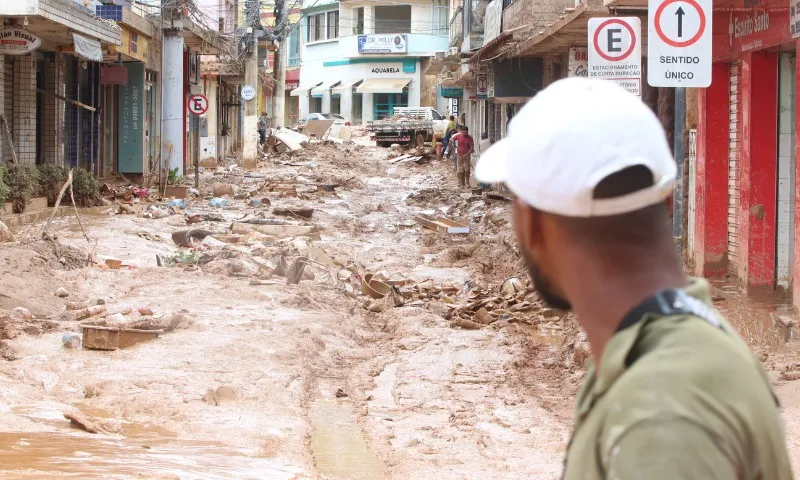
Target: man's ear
[527,225]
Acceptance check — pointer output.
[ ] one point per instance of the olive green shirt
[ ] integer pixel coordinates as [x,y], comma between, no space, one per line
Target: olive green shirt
[693,404]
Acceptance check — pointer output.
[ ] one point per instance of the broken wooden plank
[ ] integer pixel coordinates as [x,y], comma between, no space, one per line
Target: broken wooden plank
[294,212]
[400,158]
[277,230]
[442,224]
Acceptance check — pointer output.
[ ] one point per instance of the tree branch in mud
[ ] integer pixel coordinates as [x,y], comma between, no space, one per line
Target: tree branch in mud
[46,235]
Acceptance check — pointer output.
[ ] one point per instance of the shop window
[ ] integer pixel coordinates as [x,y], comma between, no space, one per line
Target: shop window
[333,24]
[294,48]
[384,103]
[393,19]
[316,27]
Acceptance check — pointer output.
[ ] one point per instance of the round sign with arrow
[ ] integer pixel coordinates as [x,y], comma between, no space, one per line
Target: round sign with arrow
[679,44]
[678,26]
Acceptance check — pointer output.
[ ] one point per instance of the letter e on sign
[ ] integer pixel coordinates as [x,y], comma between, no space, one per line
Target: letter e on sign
[198,104]
[679,43]
[615,51]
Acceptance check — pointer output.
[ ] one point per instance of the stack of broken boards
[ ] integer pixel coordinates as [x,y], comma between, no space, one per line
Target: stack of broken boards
[418,159]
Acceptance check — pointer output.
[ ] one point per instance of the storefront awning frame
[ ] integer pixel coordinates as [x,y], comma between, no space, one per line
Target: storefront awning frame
[320,89]
[345,85]
[303,90]
[383,85]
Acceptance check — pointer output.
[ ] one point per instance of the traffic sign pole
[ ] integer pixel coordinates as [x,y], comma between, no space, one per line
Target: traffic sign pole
[679,43]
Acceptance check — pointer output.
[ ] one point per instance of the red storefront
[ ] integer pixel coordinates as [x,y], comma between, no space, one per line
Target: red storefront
[746,220]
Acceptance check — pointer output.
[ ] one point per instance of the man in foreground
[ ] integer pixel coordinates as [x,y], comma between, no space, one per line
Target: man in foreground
[465,145]
[674,393]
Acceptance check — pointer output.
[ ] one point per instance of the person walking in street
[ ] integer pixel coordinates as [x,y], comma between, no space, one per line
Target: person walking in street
[451,124]
[483,147]
[465,146]
[673,392]
[263,127]
[448,134]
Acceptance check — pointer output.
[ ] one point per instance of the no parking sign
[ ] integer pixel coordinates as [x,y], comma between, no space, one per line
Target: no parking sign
[615,51]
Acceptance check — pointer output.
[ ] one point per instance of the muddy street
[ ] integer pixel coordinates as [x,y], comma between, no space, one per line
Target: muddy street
[312,326]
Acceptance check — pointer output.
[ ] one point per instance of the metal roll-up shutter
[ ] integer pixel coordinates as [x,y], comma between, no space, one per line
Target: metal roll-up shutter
[734,148]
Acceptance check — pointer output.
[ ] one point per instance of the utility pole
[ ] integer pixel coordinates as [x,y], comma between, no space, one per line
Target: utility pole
[281,57]
[250,133]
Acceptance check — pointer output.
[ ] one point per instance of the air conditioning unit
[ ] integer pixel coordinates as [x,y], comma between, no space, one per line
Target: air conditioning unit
[439,55]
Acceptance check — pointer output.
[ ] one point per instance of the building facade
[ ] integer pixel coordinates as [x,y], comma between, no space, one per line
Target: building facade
[744,203]
[362,59]
[50,82]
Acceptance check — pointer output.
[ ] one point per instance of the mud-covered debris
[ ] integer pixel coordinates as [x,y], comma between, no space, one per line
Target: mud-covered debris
[89,312]
[465,324]
[7,352]
[112,338]
[145,311]
[294,212]
[21,313]
[186,238]
[62,293]
[5,234]
[220,395]
[71,340]
[221,189]
[166,324]
[340,394]
[512,286]
[85,422]
[82,305]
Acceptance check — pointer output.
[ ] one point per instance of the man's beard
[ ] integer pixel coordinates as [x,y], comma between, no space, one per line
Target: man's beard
[543,287]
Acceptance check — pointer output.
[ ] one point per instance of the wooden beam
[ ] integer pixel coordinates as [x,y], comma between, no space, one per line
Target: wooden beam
[68,100]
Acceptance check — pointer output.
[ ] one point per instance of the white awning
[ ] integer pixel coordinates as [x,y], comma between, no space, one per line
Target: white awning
[320,89]
[301,90]
[87,48]
[383,85]
[345,87]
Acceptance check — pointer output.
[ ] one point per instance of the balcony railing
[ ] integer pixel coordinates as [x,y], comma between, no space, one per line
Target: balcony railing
[457,28]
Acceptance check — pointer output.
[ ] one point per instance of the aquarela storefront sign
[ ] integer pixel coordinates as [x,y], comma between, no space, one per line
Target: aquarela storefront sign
[741,26]
[16,41]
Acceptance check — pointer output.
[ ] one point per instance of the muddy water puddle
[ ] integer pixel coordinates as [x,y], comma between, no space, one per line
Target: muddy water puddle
[136,451]
[57,455]
[338,447]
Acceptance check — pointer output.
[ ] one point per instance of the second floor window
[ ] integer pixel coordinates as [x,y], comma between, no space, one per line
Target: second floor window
[294,48]
[333,24]
[393,19]
[358,28]
[316,27]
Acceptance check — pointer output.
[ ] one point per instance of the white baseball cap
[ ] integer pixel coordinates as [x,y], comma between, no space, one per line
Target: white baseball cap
[572,135]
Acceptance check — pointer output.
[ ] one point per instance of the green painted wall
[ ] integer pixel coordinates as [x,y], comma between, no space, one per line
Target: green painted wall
[131,121]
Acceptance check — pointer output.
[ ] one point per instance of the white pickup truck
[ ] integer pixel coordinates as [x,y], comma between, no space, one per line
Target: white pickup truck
[408,126]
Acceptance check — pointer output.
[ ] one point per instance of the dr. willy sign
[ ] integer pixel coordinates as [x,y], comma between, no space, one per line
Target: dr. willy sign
[391,43]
